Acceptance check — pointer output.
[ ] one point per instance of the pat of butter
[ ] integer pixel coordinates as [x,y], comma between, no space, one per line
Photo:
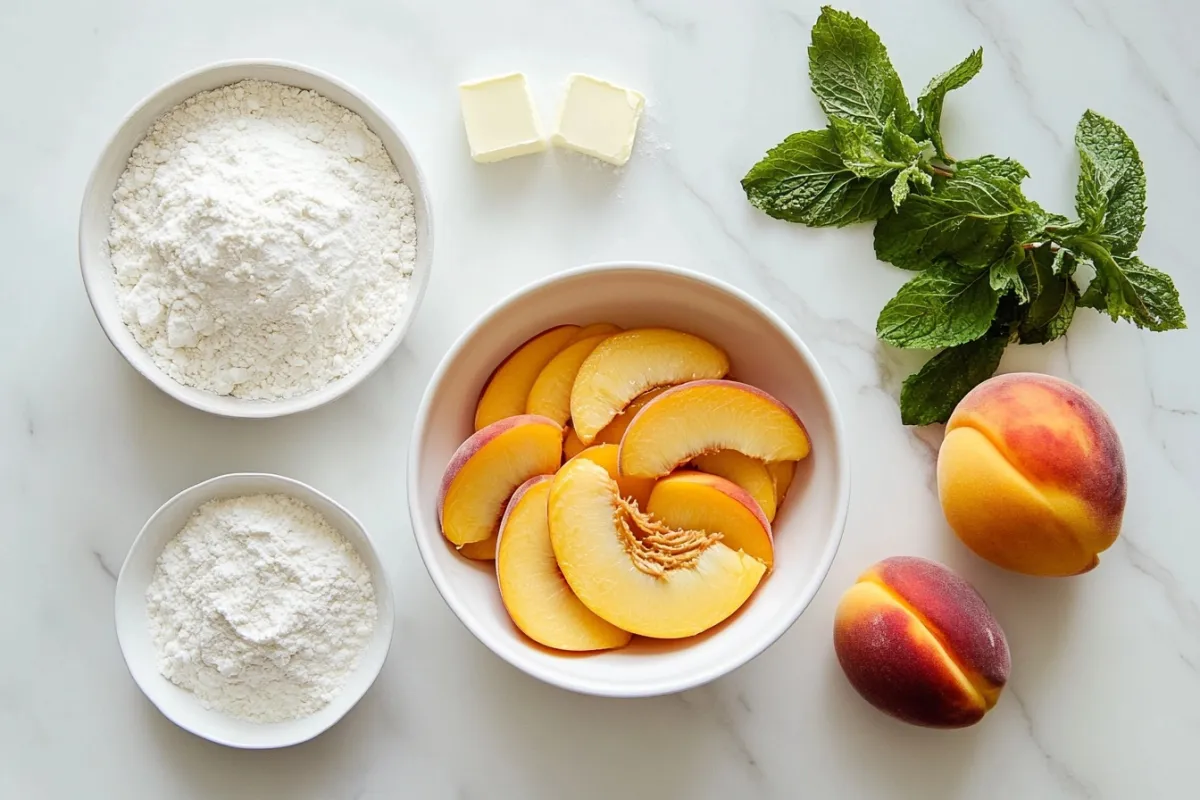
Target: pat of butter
[599,119]
[500,118]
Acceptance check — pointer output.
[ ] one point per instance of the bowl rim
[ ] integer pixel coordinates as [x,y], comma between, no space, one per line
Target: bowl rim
[385,621]
[721,666]
[227,405]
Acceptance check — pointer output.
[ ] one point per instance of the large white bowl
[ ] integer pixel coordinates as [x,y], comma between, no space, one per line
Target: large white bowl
[97,206]
[764,352]
[133,624]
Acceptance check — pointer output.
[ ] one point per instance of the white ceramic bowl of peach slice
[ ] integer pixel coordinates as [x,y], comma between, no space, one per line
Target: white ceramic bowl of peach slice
[628,479]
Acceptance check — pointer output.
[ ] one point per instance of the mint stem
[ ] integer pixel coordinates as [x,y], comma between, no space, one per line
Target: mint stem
[933,169]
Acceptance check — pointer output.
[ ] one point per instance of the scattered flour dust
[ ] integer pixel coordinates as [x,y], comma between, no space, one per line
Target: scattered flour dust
[262,241]
[260,608]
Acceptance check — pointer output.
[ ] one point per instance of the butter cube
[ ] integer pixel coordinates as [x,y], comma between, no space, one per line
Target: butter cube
[599,119]
[500,118]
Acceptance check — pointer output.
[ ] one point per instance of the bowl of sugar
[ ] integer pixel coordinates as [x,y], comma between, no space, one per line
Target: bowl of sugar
[253,611]
[256,238]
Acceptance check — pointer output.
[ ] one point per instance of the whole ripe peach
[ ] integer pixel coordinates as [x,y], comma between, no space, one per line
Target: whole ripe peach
[1031,475]
[918,642]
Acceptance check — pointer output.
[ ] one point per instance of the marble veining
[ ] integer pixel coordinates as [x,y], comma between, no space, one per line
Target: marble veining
[1104,700]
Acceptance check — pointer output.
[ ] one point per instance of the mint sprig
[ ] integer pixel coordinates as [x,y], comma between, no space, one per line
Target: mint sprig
[993,266]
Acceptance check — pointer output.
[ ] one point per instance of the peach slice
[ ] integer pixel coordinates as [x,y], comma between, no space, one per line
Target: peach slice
[665,584]
[748,473]
[487,467]
[508,387]
[697,501]
[703,416]
[550,394]
[480,551]
[630,363]
[615,430]
[571,444]
[635,489]
[597,328]
[533,589]
[782,475]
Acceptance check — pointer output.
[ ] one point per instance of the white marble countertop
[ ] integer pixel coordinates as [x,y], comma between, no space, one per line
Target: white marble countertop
[1104,699]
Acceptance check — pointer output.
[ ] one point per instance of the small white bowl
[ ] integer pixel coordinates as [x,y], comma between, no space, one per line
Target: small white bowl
[94,228]
[764,352]
[133,625]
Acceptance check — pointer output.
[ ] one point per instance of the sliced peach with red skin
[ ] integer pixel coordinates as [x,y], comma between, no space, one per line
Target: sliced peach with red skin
[701,502]
[536,595]
[782,475]
[919,643]
[508,387]
[480,551]
[550,394]
[488,467]
[615,430]
[656,584]
[627,364]
[705,416]
[596,329]
[748,473]
[571,444]
[635,489]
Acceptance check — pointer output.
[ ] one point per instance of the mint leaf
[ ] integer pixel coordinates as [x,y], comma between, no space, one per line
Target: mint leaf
[803,180]
[1055,296]
[943,306]
[1002,167]
[929,104]
[852,76]
[1063,314]
[1029,226]
[1064,263]
[1110,290]
[874,155]
[1158,294]
[862,149]
[1129,289]
[1004,276]
[1126,287]
[932,393]
[901,187]
[898,145]
[1111,194]
[965,219]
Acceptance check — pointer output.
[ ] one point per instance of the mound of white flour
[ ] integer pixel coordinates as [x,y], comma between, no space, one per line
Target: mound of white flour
[262,241]
[260,608]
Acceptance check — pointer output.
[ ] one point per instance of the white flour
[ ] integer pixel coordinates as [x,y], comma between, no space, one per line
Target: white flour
[262,241]
[260,608]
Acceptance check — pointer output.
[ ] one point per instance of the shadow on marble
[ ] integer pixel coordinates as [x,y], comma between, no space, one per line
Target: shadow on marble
[896,758]
[212,770]
[602,747]
[177,446]
[586,182]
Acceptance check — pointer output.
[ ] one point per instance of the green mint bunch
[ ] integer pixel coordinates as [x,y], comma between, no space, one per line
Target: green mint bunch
[993,267]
